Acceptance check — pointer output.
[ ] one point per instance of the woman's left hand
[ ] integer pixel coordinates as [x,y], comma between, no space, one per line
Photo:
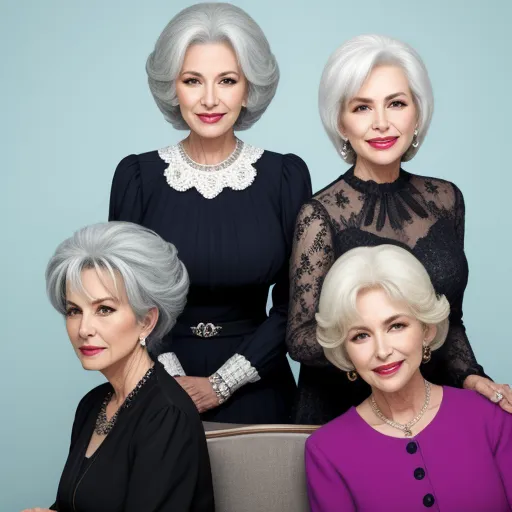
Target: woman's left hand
[201,392]
[491,390]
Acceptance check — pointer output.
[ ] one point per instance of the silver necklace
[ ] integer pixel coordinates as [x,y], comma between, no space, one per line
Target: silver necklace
[233,157]
[405,428]
[103,425]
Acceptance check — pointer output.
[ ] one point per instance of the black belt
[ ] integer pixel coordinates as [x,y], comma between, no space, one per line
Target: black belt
[210,329]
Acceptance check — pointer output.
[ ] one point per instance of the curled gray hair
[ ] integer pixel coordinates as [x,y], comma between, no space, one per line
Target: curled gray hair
[389,267]
[152,274]
[213,23]
[348,68]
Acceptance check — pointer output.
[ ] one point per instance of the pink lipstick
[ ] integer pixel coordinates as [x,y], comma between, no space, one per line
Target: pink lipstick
[382,143]
[89,350]
[388,369]
[210,118]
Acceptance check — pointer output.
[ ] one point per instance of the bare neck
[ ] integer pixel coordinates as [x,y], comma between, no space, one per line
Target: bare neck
[209,151]
[126,373]
[403,405]
[367,171]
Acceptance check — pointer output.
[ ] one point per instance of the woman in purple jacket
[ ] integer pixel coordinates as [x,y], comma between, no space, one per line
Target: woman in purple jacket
[411,445]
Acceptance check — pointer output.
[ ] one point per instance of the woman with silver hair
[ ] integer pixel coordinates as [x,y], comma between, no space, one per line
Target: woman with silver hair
[413,443]
[137,442]
[230,209]
[376,104]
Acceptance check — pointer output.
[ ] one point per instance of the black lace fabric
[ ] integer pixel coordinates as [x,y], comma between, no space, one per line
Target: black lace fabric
[423,215]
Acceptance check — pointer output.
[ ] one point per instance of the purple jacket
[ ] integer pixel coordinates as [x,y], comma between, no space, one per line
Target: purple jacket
[461,462]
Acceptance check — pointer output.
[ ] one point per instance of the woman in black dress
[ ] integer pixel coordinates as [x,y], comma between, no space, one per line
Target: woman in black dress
[376,104]
[137,442]
[229,208]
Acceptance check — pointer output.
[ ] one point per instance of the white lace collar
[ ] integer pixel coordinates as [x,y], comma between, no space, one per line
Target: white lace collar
[236,172]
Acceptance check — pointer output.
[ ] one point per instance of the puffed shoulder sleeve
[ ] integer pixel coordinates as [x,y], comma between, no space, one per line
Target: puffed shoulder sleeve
[170,457]
[295,190]
[126,191]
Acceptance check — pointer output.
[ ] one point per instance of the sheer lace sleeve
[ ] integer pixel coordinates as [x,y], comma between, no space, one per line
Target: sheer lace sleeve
[312,257]
[457,350]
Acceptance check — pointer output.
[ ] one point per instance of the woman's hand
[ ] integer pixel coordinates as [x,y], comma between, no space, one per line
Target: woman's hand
[491,390]
[201,392]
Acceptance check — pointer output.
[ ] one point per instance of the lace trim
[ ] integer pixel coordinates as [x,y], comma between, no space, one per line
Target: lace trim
[237,371]
[172,364]
[236,172]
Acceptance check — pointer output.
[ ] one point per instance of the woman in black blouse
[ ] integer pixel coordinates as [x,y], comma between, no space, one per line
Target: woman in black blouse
[229,208]
[376,105]
[137,442]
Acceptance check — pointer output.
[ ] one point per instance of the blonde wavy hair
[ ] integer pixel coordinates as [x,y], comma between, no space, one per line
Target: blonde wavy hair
[389,267]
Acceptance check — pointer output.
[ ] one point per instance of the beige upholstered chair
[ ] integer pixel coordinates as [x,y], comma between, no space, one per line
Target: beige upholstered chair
[258,468]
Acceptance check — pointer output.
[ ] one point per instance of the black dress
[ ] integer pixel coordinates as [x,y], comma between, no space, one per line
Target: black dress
[424,215]
[155,458]
[235,246]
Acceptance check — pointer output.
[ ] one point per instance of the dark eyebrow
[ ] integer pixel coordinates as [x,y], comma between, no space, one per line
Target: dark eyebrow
[199,75]
[369,100]
[387,321]
[95,301]
[391,319]
[193,73]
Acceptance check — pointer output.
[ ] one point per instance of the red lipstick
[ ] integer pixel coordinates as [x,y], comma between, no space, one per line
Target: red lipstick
[89,350]
[382,143]
[210,118]
[388,369]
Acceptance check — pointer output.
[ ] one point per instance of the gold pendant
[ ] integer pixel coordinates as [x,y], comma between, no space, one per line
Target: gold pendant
[408,432]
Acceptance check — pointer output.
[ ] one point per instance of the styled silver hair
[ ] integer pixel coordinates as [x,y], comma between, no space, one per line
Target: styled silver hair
[212,23]
[348,68]
[389,267]
[153,275]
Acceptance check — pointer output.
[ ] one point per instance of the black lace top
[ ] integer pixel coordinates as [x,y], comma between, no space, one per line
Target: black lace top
[424,215]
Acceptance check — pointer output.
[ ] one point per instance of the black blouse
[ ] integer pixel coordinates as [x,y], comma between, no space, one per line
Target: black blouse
[155,458]
[423,215]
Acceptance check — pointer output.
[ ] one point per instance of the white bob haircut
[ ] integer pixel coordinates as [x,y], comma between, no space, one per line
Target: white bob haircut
[348,68]
[213,23]
[152,274]
[389,267]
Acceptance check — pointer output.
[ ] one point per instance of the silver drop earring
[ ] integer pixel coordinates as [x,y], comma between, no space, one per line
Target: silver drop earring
[142,342]
[415,141]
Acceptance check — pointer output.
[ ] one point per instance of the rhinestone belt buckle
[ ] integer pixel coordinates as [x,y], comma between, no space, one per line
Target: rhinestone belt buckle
[206,330]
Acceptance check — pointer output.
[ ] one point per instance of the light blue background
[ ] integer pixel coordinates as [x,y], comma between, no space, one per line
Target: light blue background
[75,101]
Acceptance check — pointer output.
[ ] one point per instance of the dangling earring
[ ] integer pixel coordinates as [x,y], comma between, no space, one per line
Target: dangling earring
[427,353]
[415,141]
[345,149]
[142,341]
[352,376]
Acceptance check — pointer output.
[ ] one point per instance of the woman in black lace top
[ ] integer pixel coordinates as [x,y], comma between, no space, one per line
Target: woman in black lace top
[376,104]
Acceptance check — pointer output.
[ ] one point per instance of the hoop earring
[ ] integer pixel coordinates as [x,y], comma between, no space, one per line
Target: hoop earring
[427,353]
[345,150]
[352,376]
[142,342]
[415,141]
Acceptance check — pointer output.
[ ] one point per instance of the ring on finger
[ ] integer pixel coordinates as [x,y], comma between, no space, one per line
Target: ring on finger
[498,397]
